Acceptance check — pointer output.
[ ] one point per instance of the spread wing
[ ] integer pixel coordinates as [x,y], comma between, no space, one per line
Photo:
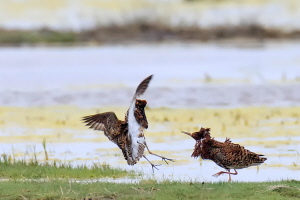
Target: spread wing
[139,91]
[142,87]
[101,122]
[114,129]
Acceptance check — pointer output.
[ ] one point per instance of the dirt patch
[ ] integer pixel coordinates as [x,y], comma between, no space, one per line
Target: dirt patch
[286,191]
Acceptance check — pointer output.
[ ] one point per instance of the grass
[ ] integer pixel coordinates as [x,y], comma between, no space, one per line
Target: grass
[16,37]
[33,169]
[148,190]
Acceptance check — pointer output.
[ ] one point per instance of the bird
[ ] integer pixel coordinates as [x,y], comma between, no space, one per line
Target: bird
[226,154]
[127,134]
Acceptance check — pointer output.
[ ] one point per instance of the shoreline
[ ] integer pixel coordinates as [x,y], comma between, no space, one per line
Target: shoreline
[145,33]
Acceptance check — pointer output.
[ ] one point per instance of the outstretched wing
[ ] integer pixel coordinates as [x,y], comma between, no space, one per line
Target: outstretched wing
[142,87]
[101,122]
[114,129]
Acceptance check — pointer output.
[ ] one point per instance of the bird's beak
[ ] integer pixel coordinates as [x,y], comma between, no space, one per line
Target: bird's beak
[186,133]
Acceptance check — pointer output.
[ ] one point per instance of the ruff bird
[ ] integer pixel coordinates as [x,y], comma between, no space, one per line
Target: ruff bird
[225,154]
[128,135]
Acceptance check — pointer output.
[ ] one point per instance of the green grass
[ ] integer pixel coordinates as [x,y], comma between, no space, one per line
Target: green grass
[149,190]
[17,37]
[21,169]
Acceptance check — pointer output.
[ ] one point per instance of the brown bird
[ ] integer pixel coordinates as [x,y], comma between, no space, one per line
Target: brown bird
[225,154]
[128,134]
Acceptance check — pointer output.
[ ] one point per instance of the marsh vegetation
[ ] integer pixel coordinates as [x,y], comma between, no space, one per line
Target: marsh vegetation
[25,169]
[148,190]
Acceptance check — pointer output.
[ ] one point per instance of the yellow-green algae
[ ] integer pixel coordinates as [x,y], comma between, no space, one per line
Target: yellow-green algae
[263,130]
[255,126]
[62,123]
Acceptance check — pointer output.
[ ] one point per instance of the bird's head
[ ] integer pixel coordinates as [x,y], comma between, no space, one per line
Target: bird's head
[140,103]
[139,112]
[199,135]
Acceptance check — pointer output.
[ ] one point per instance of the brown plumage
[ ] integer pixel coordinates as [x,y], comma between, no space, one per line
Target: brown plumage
[139,113]
[116,130]
[127,134]
[225,154]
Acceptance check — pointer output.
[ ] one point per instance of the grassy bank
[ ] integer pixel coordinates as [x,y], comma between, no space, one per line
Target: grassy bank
[141,32]
[32,169]
[146,21]
[149,190]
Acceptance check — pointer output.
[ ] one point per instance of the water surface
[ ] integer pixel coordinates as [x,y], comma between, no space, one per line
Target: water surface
[44,92]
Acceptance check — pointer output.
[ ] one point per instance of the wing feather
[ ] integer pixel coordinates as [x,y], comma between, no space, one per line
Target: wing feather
[142,87]
[134,129]
[101,122]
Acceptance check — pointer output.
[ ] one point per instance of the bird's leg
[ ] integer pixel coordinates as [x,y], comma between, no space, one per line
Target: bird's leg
[219,173]
[235,173]
[153,166]
[162,157]
[222,172]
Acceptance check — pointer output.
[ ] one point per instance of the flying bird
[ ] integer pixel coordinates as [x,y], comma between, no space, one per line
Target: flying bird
[127,134]
[225,154]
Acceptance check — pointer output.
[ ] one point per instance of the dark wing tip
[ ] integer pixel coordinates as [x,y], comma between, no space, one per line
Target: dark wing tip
[143,86]
[87,118]
[100,121]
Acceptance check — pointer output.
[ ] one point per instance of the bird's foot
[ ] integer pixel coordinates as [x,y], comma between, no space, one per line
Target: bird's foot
[165,159]
[154,166]
[218,174]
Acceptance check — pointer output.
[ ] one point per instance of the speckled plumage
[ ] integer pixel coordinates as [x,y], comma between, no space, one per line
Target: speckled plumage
[127,134]
[117,130]
[225,154]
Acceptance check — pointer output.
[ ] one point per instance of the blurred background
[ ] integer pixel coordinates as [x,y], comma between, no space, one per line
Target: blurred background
[119,21]
[63,59]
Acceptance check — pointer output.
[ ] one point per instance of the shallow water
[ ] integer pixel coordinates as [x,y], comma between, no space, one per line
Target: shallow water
[204,75]
[283,161]
[39,86]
